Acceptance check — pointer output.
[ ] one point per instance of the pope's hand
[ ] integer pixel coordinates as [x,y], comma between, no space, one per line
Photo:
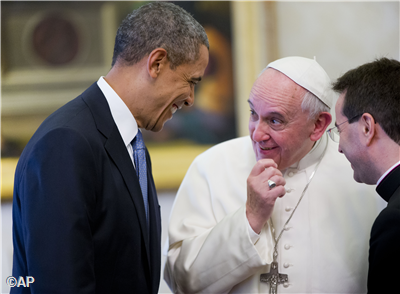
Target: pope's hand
[260,197]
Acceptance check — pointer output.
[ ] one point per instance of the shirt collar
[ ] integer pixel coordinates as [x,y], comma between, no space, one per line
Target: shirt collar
[313,156]
[389,184]
[121,114]
[388,171]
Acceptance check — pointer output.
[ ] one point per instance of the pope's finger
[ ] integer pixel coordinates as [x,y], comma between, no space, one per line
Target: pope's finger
[271,172]
[278,191]
[267,162]
[278,180]
[262,165]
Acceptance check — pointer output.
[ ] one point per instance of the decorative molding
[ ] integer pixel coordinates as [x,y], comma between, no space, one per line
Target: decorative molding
[255,45]
[30,84]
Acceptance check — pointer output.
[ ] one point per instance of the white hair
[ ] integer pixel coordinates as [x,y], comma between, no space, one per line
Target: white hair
[313,105]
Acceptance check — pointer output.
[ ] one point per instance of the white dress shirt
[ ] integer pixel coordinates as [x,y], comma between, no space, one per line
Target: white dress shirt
[123,117]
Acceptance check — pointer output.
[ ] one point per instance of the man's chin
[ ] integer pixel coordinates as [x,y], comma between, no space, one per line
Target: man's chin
[157,129]
[158,126]
[357,179]
[259,155]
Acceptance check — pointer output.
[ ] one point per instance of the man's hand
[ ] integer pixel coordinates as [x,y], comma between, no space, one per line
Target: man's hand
[260,197]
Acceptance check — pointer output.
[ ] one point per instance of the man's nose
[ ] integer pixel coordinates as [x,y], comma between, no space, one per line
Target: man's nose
[340,148]
[190,100]
[261,132]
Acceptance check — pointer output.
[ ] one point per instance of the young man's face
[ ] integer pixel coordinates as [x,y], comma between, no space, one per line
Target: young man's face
[350,145]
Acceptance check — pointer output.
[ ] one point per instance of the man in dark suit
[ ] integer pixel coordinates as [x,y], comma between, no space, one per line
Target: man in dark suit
[85,213]
[368,132]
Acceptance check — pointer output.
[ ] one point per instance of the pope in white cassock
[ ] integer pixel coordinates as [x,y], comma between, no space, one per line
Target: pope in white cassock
[277,211]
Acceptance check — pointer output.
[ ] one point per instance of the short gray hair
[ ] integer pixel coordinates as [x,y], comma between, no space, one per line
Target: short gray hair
[313,105]
[155,25]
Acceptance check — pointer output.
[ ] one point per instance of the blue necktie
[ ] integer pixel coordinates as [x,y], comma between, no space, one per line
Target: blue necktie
[139,157]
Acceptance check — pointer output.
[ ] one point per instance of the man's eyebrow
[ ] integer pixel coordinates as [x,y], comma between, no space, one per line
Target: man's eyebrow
[269,114]
[275,113]
[195,79]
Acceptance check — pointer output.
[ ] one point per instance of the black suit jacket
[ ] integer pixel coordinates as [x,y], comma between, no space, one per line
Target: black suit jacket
[79,224]
[384,252]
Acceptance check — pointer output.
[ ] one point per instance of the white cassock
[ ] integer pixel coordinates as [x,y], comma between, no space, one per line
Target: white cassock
[324,248]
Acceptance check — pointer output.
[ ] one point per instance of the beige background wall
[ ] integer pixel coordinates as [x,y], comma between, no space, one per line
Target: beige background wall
[341,35]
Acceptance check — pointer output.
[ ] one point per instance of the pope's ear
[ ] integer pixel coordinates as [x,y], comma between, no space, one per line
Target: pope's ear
[320,124]
[156,60]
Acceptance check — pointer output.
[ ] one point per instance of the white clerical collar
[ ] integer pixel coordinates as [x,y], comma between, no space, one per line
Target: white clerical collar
[121,114]
[386,173]
[313,156]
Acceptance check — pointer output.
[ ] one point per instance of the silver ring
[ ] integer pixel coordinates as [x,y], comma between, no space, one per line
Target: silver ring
[271,184]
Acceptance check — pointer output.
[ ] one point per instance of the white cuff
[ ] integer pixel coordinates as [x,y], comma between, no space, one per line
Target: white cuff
[253,235]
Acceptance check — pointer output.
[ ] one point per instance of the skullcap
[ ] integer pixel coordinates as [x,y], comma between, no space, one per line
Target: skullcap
[308,74]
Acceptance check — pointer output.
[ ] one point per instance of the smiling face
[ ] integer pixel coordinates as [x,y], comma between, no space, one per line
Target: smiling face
[279,129]
[350,145]
[174,89]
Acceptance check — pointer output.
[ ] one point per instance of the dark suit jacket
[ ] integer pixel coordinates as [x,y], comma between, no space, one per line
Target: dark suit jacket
[384,252]
[79,224]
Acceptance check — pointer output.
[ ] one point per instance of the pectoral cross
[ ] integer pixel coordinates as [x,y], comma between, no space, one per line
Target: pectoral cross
[274,278]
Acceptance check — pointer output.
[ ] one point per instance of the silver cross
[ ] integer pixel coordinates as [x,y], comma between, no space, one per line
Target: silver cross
[274,278]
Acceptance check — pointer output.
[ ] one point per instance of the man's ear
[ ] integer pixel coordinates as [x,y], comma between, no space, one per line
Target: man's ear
[156,60]
[367,126]
[320,124]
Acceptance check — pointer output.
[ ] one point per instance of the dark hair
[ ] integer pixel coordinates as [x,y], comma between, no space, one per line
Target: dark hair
[373,88]
[155,25]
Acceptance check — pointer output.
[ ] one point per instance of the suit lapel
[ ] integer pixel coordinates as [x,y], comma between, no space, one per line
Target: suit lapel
[116,149]
[153,200]
[155,227]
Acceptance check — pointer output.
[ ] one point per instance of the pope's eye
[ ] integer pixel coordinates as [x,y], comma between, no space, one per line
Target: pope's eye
[276,121]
